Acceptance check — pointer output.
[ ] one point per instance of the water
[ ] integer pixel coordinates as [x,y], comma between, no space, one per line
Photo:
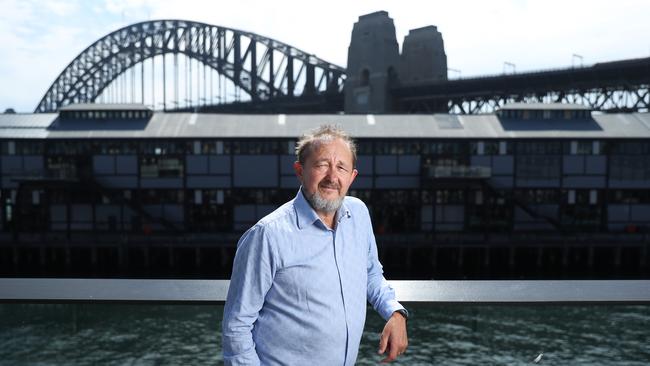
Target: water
[112,334]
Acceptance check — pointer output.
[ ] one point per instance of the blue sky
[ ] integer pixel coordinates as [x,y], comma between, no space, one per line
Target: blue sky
[39,38]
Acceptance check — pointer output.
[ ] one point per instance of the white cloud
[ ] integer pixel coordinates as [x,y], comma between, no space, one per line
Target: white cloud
[61,8]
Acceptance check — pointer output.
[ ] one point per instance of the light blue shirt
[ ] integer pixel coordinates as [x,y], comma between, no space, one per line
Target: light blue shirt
[299,290]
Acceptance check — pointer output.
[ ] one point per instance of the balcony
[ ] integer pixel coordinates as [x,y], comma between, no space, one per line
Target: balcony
[475,172]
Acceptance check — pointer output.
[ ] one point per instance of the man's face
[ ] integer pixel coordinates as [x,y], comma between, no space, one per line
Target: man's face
[326,175]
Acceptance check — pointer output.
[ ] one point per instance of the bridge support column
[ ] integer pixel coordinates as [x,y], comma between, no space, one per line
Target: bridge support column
[373,60]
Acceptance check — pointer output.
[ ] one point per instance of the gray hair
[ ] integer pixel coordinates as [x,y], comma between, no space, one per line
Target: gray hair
[323,134]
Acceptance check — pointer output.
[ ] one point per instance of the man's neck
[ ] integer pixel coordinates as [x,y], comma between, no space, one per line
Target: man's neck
[328,219]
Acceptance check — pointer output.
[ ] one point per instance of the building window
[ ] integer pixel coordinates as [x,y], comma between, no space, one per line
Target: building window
[11,148]
[255,147]
[488,148]
[539,148]
[571,197]
[538,167]
[595,147]
[161,167]
[582,209]
[635,168]
[630,148]
[115,147]
[450,196]
[291,147]
[462,148]
[61,167]
[164,147]
[582,147]
[629,196]
[538,196]
[480,148]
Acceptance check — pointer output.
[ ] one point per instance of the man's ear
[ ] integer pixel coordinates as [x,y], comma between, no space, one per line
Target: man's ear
[298,168]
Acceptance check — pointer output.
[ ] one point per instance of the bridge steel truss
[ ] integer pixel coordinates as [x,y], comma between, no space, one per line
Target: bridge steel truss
[262,67]
[619,86]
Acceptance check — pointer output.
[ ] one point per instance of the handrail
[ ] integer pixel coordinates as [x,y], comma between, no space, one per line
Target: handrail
[54,290]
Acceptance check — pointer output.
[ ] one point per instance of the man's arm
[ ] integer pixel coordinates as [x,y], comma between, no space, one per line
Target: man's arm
[381,296]
[252,276]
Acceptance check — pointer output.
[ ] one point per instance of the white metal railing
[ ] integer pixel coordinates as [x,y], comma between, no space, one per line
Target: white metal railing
[214,291]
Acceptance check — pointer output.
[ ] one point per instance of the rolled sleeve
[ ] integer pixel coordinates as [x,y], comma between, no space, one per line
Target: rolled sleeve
[381,294]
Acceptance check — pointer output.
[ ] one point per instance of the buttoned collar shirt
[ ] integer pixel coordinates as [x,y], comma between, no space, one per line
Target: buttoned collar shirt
[299,290]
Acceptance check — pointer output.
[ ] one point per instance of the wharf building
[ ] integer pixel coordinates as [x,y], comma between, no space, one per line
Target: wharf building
[531,191]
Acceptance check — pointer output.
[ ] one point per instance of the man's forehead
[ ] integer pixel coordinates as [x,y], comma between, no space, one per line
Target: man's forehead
[332,148]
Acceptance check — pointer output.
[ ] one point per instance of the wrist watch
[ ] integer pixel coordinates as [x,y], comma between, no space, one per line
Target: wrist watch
[404,313]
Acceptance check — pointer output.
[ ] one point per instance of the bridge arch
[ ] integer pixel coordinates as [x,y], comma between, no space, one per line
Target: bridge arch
[262,67]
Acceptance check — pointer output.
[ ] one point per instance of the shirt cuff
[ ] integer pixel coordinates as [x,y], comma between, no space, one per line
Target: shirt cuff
[249,358]
[389,308]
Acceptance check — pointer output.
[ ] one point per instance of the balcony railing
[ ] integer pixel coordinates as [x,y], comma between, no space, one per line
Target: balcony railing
[472,172]
[214,291]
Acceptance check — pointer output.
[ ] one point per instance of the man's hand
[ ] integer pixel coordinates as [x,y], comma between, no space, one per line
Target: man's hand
[393,338]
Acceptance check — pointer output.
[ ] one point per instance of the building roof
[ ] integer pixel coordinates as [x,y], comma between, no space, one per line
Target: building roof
[104,107]
[544,106]
[203,125]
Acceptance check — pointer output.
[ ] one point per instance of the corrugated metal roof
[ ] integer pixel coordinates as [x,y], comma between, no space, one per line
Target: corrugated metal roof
[27,120]
[545,106]
[105,107]
[190,125]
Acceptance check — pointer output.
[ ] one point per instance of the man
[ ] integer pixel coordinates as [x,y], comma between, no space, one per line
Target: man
[303,274]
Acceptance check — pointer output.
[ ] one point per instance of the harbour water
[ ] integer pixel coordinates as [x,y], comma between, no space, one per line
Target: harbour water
[115,334]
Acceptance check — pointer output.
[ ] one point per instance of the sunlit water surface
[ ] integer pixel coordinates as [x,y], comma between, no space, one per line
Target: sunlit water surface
[110,334]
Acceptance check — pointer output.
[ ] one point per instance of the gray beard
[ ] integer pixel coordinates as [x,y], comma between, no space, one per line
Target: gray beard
[321,204]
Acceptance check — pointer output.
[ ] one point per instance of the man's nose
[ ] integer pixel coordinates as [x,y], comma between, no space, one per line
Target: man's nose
[332,173]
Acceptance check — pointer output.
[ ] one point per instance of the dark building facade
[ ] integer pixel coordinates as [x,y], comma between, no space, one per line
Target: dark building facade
[533,191]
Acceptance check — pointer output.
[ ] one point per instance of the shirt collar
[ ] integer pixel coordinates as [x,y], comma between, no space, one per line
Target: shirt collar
[307,216]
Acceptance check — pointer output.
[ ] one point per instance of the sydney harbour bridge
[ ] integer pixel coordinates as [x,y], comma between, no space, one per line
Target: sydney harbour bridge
[177,65]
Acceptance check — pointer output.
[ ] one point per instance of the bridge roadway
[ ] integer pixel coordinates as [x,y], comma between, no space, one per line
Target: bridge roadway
[596,86]
[604,78]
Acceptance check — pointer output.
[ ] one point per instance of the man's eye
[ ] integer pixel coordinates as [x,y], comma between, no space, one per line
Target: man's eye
[343,169]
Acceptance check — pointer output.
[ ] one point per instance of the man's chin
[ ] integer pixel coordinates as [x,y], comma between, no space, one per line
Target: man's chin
[330,195]
[321,202]
[329,190]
